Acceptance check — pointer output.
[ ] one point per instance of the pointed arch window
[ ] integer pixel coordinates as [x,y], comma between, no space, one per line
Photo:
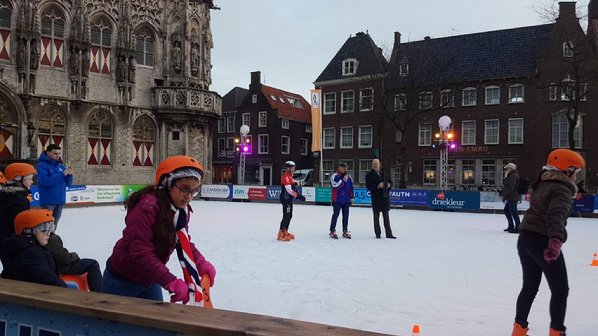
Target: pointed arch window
[101,42]
[99,139]
[144,140]
[144,47]
[52,25]
[5,25]
[568,49]
[8,129]
[51,128]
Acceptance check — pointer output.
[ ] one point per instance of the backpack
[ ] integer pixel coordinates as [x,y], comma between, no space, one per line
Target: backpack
[523,186]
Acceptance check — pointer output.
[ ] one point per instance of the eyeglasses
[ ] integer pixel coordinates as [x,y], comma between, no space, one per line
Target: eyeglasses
[186,190]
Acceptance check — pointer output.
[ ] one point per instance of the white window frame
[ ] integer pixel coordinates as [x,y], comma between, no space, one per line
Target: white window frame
[516,99]
[489,129]
[469,130]
[433,178]
[345,98]
[583,92]
[361,136]
[261,145]
[401,102]
[447,98]
[489,93]
[362,97]
[308,128]
[332,134]
[246,119]
[553,92]
[560,132]
[424,135]
[403,68]
[568,49]
[350,66]
[515,131]
[230,124]
[426,100]
[303,143]
[221,125]
[284,123]
[349,135]
[364,167]
[263,119]
[285,144]
[467,95]
[329,103]
[254,99]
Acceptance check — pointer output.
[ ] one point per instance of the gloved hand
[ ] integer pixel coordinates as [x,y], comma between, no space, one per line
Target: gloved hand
[179,291]
[206,267]
[301,197]
[553,251]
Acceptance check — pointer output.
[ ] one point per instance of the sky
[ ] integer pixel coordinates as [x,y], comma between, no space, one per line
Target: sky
[451,273]
[292,41]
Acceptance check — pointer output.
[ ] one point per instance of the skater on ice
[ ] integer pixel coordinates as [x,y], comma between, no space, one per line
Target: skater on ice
[342,198]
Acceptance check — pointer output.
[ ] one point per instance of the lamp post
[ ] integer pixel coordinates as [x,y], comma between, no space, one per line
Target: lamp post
[445,139]
[244,130]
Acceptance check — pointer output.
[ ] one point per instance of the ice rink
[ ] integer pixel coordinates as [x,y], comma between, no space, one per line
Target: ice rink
[451,273]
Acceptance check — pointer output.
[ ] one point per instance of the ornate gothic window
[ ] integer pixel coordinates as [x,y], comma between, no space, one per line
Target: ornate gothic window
[144,139]
[101,41]
[51,128]
[99,139]
[52,22]
[8,129]
[5,21]
[144,53]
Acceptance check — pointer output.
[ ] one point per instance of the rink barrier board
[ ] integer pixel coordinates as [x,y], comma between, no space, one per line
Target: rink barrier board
[410,198]
[33,309]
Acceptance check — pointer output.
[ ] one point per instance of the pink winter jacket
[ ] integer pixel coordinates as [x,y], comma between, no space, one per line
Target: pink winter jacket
[134,256]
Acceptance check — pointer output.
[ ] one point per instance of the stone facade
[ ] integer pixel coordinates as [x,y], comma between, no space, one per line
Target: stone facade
[118,84]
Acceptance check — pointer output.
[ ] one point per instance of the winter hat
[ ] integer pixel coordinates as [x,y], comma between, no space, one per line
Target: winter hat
[33,221]
[510,166]
[179,174]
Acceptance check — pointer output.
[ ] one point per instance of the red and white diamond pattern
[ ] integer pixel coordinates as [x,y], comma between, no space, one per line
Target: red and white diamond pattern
[43,140]
[5,40]
[52,50]
[99,151]
[6,144]
[144,154]
[105,61]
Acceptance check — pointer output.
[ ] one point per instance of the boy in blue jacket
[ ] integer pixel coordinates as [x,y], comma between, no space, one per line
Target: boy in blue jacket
[342,197]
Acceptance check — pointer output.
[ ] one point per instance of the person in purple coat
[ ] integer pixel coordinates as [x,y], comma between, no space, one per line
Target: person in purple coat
[156,217]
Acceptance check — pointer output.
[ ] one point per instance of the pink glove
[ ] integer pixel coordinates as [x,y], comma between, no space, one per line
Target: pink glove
[553,251]
[179,291]
[206,267]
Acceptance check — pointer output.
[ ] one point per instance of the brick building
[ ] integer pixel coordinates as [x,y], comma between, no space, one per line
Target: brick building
[510,94]
[119,85]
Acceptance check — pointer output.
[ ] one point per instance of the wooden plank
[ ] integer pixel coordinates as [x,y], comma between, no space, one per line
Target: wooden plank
[162,315]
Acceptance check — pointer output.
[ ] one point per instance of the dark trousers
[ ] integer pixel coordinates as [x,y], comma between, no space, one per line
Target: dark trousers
[336,209]
[56,211]
[115,284]
[530,247]
[94,275]
[386,218]
[287,214]
[512,214]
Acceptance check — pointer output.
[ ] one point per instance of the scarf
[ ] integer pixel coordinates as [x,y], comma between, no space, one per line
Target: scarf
[185,255]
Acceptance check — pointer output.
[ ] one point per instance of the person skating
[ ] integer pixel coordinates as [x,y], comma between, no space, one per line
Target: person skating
[342,197]
[379,186]
[15,197]
[542,234]
[287,195]
[155,226]
[510,195]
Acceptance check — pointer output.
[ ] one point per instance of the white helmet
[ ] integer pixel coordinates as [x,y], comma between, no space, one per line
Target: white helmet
[289,164]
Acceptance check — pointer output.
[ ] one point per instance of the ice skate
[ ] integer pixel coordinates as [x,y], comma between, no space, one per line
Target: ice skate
[347,234]
[289,235]
[518,330]
[556,333]
[282,236]
[333,235]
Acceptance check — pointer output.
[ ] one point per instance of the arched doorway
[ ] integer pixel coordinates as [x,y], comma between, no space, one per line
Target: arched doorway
[11,124]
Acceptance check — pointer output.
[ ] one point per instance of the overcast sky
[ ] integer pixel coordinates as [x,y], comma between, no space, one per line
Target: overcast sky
[292,41]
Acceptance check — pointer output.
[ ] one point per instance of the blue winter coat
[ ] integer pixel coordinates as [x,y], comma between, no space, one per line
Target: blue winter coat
[342,191]
[51,181]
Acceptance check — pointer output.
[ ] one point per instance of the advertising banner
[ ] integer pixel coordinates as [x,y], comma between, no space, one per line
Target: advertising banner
[240,192]
[409,197]
[584,204]
[257,193]
[221,191]
[323,194]
[113,193]
[362,196]
[273,193]
[458,200]
[491,200]
[309,193]
[595,203]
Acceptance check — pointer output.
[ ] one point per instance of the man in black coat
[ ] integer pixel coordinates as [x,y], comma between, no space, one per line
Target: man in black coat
[379,184]
[511,197]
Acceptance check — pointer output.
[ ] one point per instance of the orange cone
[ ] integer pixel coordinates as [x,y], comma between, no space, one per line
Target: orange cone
[415,330]
[595,260]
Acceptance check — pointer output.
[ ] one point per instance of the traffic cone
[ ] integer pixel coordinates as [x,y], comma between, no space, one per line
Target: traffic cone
[415,330]
[595,260]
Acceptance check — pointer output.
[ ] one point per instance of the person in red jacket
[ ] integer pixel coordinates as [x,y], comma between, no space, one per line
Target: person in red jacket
[287,195]
[542,235]
[156,225]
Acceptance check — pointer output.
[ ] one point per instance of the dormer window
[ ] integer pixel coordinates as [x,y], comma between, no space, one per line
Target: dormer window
[349,67]
[568,49]
[404,67]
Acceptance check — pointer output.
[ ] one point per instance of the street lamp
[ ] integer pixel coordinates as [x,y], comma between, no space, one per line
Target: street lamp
[244,130]
[445,140]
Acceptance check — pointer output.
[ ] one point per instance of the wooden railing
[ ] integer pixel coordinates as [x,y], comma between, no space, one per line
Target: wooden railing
[67,311]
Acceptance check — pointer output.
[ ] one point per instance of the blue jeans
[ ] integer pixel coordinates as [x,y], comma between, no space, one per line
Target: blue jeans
[512,214]
[56,211]
[113,284]
[336,209]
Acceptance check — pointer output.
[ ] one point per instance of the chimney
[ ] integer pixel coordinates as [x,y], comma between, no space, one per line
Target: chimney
[427,38]
[397,38]
[256,77]
[567,10]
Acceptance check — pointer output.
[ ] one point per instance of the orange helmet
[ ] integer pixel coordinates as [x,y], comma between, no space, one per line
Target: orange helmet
[31,218]
[565,159]
[174,163]
[2,179]
[18,170]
